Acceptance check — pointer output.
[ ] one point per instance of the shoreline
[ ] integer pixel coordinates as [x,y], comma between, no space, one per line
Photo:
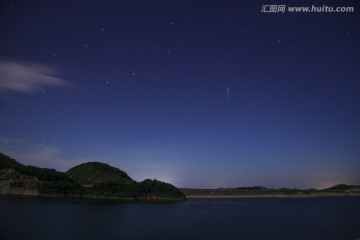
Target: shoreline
[191,197]
[223,197]
[213,194]
[33,193]
[192,194]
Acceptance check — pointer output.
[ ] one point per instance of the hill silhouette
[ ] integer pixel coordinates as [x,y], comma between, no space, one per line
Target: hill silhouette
[93,173]
[89,180]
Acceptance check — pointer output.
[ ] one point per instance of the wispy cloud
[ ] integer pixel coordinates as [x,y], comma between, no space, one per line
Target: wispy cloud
[27,77]
[37,154]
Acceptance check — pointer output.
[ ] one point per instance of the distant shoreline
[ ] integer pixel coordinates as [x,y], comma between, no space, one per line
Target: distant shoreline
[198,194]
[213,194]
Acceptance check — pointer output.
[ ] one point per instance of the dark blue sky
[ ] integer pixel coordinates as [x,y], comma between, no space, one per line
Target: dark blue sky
[195,93]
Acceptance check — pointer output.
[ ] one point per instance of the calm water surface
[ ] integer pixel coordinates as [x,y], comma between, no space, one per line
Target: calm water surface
[312,218]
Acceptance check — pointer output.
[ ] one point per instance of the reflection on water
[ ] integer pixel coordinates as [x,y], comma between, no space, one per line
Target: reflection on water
[312,218]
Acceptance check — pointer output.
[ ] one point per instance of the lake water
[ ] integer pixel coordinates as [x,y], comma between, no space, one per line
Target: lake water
[309,218]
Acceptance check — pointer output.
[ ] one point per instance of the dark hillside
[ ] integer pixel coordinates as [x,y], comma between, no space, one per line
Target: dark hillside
[93,173]
[48,181]
[90,180]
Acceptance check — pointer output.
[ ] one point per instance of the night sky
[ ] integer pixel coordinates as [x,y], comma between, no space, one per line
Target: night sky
[196,93]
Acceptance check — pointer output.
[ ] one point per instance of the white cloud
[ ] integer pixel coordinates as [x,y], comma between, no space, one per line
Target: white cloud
[39,155]
[27,77]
